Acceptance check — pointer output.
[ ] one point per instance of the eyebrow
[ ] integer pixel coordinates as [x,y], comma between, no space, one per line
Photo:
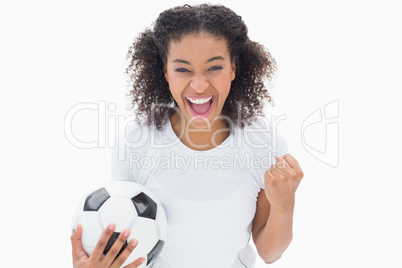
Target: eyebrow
[211,59]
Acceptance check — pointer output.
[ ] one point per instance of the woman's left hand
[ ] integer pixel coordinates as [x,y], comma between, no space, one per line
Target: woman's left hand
[282,181]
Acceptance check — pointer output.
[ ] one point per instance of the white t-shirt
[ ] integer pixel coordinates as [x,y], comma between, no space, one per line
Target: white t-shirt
[209,196]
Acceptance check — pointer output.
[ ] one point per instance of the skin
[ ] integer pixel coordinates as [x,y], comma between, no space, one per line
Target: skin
[273,220]
[200,65]
[81,259]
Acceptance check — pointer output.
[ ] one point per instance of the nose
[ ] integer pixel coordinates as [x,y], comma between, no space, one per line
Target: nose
[199,83]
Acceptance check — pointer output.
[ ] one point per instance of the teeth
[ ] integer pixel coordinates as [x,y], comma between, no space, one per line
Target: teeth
[199,101]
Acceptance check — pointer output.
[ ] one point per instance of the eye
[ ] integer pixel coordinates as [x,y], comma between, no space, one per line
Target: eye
[215,68]
[181,70]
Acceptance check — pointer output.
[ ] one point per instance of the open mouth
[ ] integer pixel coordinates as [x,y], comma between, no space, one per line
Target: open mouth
[201,107]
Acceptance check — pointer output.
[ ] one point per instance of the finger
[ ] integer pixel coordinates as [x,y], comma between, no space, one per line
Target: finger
[136,263]
[292,162]
[267,177]
[116,248]
[78,251]
[275,170]
[270,172]
[119,261]
[100,246]
[76,238]
[281,164]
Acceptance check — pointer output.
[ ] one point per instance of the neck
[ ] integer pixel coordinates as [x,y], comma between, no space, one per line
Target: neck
[199,138]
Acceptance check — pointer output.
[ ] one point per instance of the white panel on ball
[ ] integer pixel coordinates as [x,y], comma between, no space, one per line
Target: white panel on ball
[162,223]
[91,229]
[144,230]
[124,189]
[119,211]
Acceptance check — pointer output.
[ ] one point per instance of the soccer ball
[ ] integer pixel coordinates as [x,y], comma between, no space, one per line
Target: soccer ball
[128,205]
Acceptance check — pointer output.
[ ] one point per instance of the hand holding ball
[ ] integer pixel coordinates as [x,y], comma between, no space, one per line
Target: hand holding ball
[127,205]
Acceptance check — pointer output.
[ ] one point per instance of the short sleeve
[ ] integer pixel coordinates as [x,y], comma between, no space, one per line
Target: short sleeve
[120,159]
[131,144]
[120,165]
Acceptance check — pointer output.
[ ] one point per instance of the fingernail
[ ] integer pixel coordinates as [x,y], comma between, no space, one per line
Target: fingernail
[126,233]
[111,226]
[142,261]
[134,243]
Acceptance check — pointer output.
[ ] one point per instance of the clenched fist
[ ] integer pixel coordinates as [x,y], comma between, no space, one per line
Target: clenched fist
[282,181]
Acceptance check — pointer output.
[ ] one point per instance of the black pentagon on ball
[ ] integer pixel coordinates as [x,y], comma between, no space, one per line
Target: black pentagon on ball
[110,243]
[95,200]
[154,253]
[145,206]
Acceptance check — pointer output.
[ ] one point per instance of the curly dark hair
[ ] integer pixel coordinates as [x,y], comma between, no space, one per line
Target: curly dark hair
[148,55]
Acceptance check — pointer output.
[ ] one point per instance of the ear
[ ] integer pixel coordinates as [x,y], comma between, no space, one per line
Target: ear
[233,71]
[165,72]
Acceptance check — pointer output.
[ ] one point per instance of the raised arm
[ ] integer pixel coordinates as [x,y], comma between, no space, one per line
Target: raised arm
[273,221]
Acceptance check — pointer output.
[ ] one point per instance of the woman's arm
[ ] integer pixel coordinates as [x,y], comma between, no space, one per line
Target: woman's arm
[273,221]
[272,230]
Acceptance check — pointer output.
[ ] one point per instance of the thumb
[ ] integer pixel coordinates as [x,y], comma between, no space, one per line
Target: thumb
[78,251]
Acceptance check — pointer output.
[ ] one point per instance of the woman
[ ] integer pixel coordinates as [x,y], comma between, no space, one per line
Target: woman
[198,85]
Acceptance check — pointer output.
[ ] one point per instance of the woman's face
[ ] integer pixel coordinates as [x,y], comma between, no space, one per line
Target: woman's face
[199,73]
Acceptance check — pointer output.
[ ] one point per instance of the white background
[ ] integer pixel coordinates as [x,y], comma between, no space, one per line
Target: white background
[55,55]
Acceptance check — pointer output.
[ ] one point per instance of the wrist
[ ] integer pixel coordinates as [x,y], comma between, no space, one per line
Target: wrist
[284,210]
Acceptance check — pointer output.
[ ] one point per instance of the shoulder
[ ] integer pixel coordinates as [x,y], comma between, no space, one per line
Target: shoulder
[134,133]
[262,133]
